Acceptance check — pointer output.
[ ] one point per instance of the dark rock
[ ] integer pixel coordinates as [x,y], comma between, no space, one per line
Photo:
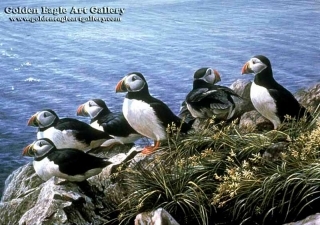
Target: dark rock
[273,152]
[61,204]
[185,114]
[310,220]
[310,98]
[22,178]
[244,104]
[22,189]
[254,121]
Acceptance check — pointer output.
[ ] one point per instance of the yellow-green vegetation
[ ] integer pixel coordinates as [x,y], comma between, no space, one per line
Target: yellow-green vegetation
[221,175]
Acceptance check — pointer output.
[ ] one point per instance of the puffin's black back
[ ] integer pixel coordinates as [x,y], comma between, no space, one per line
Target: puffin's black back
[82,130]
[203,98]
[206,95]
[73,162]
[116,124]
[287,104]
[167,117]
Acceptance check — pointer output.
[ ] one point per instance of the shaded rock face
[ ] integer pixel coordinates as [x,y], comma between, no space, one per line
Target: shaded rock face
[21,192]
[51,202]
[18,183]
[62,203]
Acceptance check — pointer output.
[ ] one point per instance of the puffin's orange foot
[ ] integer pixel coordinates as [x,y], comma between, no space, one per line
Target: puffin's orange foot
[149,150]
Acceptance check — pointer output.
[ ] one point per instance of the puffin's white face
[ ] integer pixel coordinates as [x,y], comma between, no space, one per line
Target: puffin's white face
[211,76]
[134,83]
[41,147]
[38,148]
[254,65]
[45,118]
[92,108]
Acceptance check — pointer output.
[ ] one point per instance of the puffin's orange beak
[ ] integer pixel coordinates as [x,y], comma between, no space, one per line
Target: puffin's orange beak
[27,151]
[217,76]
[246,69]
[121,86]
[33,121]
[81,111]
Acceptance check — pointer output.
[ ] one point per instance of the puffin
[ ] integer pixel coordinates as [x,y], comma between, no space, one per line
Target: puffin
[115,124]
[185,114]
[206,99]
[268,97]
[70,164]
[69,132]
[147,115]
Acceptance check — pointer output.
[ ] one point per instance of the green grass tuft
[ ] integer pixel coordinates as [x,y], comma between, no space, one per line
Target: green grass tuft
[218,175]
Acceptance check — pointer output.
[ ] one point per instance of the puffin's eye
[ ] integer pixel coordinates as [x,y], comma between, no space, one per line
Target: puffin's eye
[40,144]
[90,104]
[45,114]
[134,78]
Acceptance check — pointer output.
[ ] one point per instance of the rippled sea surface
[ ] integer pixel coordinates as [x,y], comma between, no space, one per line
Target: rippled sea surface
[61,65]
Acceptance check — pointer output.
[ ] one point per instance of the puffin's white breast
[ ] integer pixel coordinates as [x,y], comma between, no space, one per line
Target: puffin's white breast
[264,103]
[45,168]
[141,117]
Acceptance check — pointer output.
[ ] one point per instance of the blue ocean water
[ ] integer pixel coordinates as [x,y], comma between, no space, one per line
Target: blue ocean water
[61,65]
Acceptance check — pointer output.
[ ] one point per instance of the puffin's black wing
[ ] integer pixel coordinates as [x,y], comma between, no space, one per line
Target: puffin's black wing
[81,130]
[116,124]
[287,104]
[185,114]
[227,90]
[73,162]
[71,124]
[167,117]
[209,98]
